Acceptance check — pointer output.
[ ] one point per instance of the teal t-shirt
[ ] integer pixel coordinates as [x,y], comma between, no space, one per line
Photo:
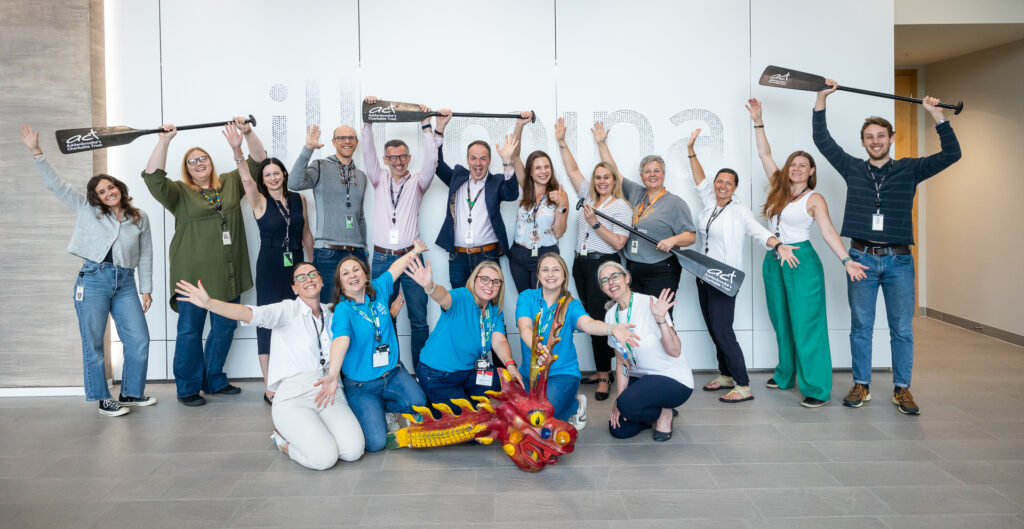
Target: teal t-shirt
[529,304]
[358,322]
[454,344]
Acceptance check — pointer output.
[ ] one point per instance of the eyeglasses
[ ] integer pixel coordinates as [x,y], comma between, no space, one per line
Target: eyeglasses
[485,281]
[198,159]
[612,277]
[345,138]
[302,278]
[397,157]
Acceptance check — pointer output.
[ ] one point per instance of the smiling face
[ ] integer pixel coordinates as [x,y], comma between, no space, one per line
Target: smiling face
[273,177]
[199,167]
[614,282]
[345,141]
[603,181]
[876,141]
[725,186]
[478,158]
[487,284]
[540,172]
[108,193]
[550,274]
[800,170]
[397,158]
[352,277]
[310,287]
[653,175]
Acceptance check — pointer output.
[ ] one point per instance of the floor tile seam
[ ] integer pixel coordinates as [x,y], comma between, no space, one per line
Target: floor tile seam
[979,424]
[230,519]
[1011,500]
[830,475]
[948,473]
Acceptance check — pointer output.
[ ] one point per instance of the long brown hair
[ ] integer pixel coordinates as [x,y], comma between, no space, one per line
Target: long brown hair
[339,292]
[563,291]
[779,192]
[187,178]
[529,200]
[126,201]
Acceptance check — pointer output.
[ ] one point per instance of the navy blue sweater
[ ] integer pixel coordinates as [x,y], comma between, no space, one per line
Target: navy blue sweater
[899,184]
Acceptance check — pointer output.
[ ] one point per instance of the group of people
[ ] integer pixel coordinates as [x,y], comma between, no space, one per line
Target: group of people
[330,357]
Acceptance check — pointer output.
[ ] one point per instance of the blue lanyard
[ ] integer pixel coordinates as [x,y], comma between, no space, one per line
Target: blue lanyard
[375,321]
[542,330]
[486,329]
[629,314]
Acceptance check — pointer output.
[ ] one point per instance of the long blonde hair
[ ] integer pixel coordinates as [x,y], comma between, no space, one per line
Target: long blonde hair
[616,187]
[563,291]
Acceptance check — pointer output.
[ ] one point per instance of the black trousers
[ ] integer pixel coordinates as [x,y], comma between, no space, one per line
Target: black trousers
[523,266]
[584,272]
[651,278]
[718,310]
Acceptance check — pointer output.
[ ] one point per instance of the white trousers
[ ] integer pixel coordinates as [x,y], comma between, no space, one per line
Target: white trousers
[317,437]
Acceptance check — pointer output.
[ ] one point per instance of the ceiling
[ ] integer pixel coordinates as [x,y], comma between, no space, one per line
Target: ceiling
[917,45]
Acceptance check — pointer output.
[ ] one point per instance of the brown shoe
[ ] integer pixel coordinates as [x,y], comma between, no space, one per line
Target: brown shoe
[903,400]
[858,395]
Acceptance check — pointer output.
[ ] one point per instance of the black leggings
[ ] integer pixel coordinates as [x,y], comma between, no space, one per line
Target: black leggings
[584,272]
[651,278]
[523,266]
[718,310]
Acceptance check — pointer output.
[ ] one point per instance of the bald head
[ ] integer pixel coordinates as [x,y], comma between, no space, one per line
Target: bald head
[345,142]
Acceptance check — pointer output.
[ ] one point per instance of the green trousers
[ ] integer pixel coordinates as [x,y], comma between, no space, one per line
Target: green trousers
[796,305]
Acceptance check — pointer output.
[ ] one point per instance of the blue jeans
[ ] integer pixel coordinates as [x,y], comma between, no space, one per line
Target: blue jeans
[561,393]
[895,274]
[443,386]
[326,262]
[415,300]
[460,265]
[196,367]
[110,290]
[395,392]
[642,401]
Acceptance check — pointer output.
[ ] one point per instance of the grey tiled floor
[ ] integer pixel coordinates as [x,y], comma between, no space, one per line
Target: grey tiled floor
[768,463]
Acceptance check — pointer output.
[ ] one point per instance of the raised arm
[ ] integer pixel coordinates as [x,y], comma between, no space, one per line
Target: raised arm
[255,144]
[444,171]
[764,150]
[256,200]
[517,133]
[63,190]
[601,137]
[508,190]
[823,140]
[695,166]
[159,185]
[623,332]
[197,295]
[430,141]
[819,210]
[158,159]
[932,165]
[402,262]
[370,162]
[568,160]
[303,175]
[421,272]
[659,308]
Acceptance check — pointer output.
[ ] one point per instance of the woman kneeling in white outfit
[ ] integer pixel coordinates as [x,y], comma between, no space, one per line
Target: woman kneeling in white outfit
[300,347]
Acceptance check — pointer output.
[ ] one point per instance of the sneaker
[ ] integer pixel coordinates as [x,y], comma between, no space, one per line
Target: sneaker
[279,441]
[811,402]
[859,394]
[136,401]
[903,400]
[772,383]
[112,408]
[228,390]
[392,420]
[192,400]
[579,419]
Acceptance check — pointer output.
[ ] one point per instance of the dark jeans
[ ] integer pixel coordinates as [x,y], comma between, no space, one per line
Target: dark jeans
[460,265]
[641,404]
[444,387]
[718,310]
[415,301]
[394,392]
[195,366]
[326,262]
[584,272]
[651,278]
[524,266]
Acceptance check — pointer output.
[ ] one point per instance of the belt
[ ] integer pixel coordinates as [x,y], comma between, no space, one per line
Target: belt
[477,249]
[879,249]
[593,255]
[385,251]
[342,247]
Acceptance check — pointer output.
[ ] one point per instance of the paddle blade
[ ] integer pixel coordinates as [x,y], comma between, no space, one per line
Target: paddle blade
[78,140]
[393,112]
[719,275]
[780,77]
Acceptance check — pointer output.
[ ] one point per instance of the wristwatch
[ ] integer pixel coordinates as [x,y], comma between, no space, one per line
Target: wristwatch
[596,225]
[563,210]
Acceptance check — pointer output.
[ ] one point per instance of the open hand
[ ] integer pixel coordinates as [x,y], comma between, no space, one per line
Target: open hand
[856,270]
[754,107]
[194,294]
[660,306]
[693,139]
[560,130]
[31,139]
[507,149]
[313,137]
[623,332]
[420,272]
[787,256]
[328,387]
[233,135]
[600,133]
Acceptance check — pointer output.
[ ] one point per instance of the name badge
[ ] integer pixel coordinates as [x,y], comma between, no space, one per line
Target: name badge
[225,238]
[877,221]
[484,372]
[79,293]
[533,251]
[380,355]
[288,259]
[393,236]
[583,251]
[634,247]
[350,222]
[469,237]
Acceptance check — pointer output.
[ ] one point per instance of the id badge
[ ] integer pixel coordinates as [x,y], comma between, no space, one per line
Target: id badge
[877,221]
[225,237]
[393,236]
[79,293]
[533,252]
[288,259]
[484,372]
[350,222]
[583,251]
[380,355]
[469,237]
[634,247]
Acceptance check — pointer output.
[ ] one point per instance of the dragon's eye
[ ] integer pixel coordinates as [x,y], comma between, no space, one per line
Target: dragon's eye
[537,418]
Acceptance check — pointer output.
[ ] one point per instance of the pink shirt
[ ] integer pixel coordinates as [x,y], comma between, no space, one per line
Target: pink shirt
[399,199]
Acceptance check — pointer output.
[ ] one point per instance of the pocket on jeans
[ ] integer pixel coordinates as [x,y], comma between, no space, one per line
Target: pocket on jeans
[907,259]
[89,269]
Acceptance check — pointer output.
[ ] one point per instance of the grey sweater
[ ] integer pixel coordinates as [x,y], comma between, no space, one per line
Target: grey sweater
[332,183]
[95,233]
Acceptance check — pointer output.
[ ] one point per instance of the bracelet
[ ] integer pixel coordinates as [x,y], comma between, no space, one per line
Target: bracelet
[596,225]
[509,164]
[691,155]
[776,247]
[439,133]
[240,160]
[563,146]
[662,322]
[36,155]
[847,259]
[425,127]
[511,363]
[563,211]
[758,126]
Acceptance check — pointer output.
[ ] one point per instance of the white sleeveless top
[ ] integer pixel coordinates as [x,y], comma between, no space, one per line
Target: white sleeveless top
[794,224]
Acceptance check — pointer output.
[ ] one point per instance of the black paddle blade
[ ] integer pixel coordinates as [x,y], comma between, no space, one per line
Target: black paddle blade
[78,140]
[780,77]
[393,112]
[719,275]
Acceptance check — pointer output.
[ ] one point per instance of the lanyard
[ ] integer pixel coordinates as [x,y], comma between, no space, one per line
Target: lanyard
[347,180]
[375,321]
[472,203]
[287,222]
[542,331]
[707,229]
[319,344]
[778,218]
[486,329]
[533,214]
[217,204]
[644,207]
[395,199]
[629,314]
[878,182]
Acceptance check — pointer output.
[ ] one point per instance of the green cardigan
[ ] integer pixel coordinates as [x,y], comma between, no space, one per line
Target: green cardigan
[197,250]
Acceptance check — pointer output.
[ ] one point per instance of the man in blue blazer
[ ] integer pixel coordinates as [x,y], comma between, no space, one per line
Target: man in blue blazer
[473,230]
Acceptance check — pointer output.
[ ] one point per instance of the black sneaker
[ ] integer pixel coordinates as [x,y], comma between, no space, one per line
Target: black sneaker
[192,400]
[112,408]
[811,402]
[136,401]
[772,383]
[228,390]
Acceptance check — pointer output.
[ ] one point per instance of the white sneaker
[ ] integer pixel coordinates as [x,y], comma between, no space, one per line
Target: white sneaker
[392,420]
[281,443]
[579,419]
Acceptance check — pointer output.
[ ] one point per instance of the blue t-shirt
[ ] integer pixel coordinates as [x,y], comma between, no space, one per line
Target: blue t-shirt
[454,344]
[529,304]
[348,320]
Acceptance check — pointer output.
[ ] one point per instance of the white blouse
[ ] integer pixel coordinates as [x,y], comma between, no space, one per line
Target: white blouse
[724,240]
[296,345]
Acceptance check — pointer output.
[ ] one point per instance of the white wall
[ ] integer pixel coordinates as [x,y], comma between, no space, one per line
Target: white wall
[655,69]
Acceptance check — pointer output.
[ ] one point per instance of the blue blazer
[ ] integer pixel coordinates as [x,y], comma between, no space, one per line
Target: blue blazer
[496,190]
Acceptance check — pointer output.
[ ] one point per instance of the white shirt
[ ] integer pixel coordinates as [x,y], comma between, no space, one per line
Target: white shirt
[294,347]
[615,208]
[725,240]
[650,357]
[483,232]
[795,224]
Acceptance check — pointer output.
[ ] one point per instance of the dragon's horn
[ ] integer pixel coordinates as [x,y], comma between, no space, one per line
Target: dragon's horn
[484,402]
[464,404]
[424,411]
[411,419]
[443,408]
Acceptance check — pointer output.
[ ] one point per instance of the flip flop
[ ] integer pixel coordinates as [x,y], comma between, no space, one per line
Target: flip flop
[744,393]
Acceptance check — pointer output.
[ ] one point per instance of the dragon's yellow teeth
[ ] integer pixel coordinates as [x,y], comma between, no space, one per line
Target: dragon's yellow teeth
[485,440]
[534,455]
[510,449]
